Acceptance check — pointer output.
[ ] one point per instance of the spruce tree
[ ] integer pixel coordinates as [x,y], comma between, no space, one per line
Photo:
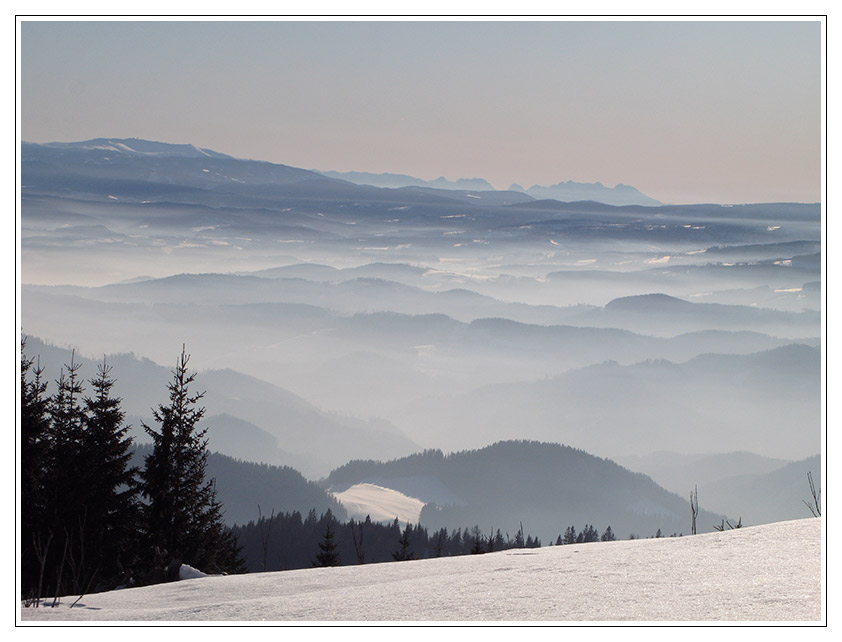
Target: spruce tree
[476,541]
[441,539]
[404,553]
[588,534]
[328,554]
[608,535]
[570,536]
[183,519]
[66,492]
[34,434]
[113,489]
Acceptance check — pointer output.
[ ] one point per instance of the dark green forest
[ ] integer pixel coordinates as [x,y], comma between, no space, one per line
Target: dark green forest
[289,541]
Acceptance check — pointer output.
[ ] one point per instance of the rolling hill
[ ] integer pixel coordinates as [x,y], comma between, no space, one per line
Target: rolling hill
[547,487]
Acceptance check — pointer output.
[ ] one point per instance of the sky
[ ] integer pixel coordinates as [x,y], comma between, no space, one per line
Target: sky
[686,111]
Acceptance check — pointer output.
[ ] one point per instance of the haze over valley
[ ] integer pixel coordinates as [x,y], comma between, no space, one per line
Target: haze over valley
[332,321]
[296,294]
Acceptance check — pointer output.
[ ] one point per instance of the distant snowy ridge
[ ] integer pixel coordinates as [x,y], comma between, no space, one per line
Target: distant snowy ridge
[764,573]
[140,147]
[101,149]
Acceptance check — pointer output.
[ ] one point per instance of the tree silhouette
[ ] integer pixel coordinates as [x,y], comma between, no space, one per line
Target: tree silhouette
[328,554]
[66,484]
[113,509]
[403,553]
[570,535]
[694,509]
[184,520]
[34,435]
[816,506]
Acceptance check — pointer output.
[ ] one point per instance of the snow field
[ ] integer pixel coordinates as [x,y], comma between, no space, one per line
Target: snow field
[759,574]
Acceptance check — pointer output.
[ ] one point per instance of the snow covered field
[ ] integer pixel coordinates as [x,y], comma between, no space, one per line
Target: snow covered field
[765,573]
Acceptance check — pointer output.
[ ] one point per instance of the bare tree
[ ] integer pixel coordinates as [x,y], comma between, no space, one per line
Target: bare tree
[264,538]
[816,506]
[358,541]
[721,526]
[694,509]
[41,550]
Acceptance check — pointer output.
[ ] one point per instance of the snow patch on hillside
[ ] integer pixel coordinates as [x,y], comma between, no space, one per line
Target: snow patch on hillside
[379,503]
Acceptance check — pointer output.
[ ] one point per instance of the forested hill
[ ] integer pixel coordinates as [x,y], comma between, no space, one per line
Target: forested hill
[546,487]
[242,487]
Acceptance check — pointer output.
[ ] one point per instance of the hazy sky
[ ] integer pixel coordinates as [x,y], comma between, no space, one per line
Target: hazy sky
[684,111]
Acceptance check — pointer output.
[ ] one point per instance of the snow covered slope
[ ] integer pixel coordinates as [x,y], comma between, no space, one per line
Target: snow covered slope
[379,503]
[764,573]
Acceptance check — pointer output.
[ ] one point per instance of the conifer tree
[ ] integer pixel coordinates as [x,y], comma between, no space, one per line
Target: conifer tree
[65,493]
[34,429]
[608,535]
[440,541]
[328,554]
[588,534]
[477,541]
[35,426]
[183,519]
[570,536]
[403,553]
[112,486]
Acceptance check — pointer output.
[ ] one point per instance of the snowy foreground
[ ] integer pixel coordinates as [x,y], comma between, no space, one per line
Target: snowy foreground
[764,573]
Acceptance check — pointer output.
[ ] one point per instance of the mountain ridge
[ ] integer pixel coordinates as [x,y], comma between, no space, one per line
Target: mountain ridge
[109,149]
[546,486]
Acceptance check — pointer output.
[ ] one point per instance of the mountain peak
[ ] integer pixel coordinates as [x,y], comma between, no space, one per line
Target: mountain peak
[569,191]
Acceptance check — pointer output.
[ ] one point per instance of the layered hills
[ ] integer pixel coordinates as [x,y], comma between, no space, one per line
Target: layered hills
[334,319]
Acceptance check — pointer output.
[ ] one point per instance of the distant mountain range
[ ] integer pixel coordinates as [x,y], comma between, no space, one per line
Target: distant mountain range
[570,191]
[171,166]
[739,402]
[760,498]
[742,484]
[567,191]
[673,470]
[340,318]
[402,180]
